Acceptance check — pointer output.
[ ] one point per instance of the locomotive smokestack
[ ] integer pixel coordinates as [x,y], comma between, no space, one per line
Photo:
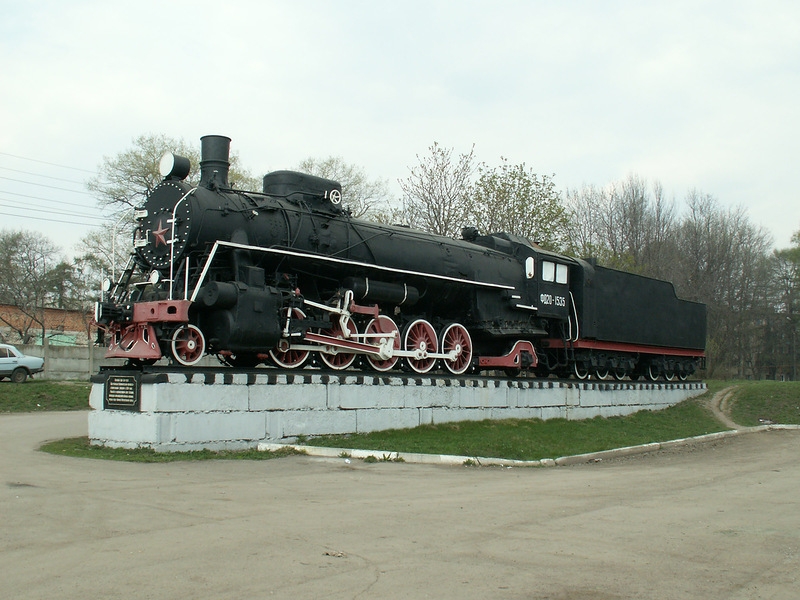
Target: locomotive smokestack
[214,154]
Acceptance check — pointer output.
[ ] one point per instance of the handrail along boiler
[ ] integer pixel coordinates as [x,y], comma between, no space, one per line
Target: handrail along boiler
[287,276]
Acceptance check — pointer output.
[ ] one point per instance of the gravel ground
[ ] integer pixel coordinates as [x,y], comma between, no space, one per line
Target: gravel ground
[714,520]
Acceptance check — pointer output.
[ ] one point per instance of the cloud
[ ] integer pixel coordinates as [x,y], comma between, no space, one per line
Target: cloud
[696,95]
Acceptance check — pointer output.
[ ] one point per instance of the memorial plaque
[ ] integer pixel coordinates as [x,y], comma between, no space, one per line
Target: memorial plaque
[122,392]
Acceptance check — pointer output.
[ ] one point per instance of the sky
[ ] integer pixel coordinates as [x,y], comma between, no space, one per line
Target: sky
[695,95]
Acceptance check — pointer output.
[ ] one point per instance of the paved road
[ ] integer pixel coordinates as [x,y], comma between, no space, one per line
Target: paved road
[718,521]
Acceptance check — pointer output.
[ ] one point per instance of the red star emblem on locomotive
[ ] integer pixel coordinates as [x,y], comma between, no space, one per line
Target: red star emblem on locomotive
[160,234]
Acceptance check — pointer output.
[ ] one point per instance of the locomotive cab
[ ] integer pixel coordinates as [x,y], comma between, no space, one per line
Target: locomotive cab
[545,287]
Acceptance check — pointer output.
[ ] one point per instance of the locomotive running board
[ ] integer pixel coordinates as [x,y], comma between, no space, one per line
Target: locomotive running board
[623,347]
[339,261]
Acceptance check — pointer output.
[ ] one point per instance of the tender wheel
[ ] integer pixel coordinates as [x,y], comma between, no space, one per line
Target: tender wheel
[456,337]
[420,338]
[652,373]
[669,375]
[683,375]
[286,357]
[385,325]
[580,371]
[19,375]
[619,374]
[188,345]
[601,373]
[341,359]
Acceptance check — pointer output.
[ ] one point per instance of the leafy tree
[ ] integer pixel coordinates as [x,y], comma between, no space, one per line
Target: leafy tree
[33,276]
[361,195]
[102,253]
[514,199]
[436,194]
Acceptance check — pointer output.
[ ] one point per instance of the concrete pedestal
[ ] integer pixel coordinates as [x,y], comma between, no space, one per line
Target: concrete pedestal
[226,410]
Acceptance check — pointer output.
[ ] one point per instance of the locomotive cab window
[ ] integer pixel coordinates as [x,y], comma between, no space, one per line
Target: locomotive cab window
[561,273]
[552,272]
[548,271]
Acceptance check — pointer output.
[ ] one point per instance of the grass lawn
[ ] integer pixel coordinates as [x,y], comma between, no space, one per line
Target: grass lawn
[39,395]
[756,402]
[522,439]
[533,439]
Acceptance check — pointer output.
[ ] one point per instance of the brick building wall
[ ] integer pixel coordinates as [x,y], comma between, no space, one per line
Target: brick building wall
[64,327]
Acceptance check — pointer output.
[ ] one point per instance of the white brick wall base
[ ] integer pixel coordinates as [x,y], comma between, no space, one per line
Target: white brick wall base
[218,410]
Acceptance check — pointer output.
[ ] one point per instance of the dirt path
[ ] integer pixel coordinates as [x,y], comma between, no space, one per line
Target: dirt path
[719,520]
[719,405]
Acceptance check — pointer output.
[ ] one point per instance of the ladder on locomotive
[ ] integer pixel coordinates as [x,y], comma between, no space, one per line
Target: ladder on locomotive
[120,289]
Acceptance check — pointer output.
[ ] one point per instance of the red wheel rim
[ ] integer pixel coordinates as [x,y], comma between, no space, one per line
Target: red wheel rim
[456,337]
[289,358]
[421,336]
[340,360]
[382,324]
[188,345]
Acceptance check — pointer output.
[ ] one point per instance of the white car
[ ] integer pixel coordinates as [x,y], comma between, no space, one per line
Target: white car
[15,365]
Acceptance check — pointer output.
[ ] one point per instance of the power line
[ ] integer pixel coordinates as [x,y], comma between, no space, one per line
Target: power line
[53,212]
[50,220]
[45,176]
[44,199]
[44,162]
[53,187]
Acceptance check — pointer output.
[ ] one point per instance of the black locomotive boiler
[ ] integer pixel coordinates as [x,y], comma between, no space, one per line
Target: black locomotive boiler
[286,276]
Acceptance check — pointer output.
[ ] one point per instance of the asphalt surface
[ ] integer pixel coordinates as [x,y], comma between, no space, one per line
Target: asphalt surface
[718,520]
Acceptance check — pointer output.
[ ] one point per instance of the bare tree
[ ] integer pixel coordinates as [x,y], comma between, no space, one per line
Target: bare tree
[628,225]
[364,197]
[783,327]
[724,262]
[637,225]
[436,194]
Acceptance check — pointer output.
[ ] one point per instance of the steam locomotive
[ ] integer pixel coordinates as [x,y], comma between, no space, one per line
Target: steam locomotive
[288,277]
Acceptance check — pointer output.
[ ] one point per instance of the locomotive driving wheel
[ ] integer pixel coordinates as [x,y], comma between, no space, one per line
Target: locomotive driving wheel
[382,325]
[420,338]
[456,338]
[188,345]
[286,357]
[339,359]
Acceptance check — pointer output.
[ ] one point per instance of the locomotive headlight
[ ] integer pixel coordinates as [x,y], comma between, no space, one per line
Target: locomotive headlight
[172,165]
[106,284]
[155,277]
